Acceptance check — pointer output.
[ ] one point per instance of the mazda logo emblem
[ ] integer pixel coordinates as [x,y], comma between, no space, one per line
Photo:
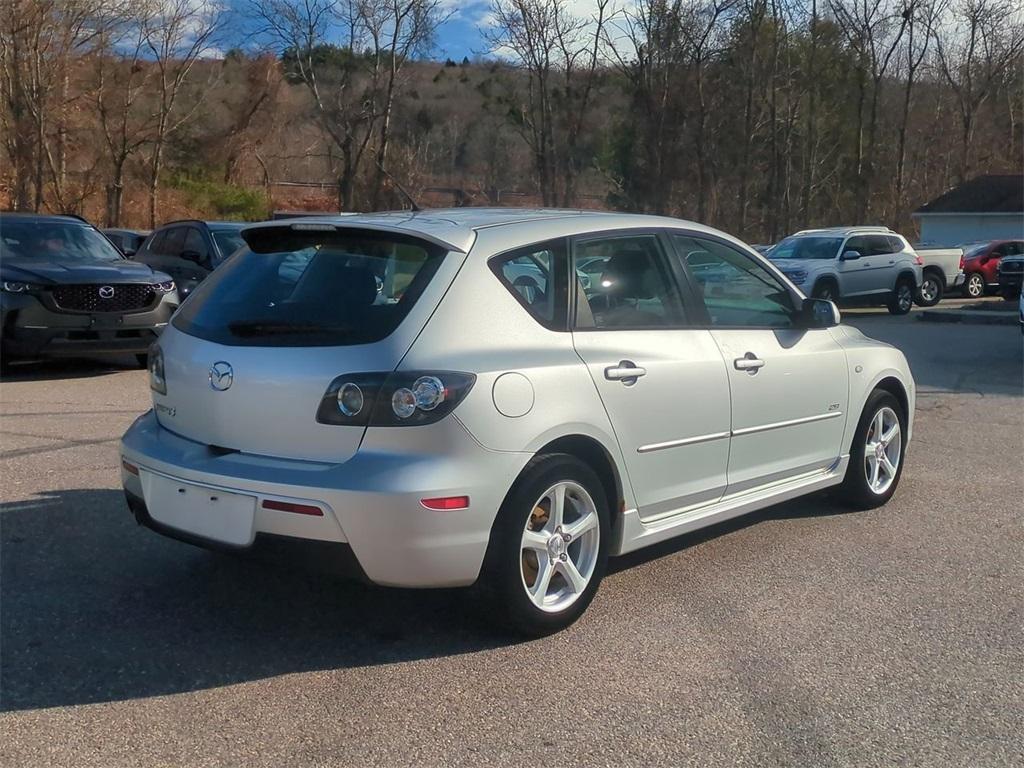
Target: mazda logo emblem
[106,291]
[221,375]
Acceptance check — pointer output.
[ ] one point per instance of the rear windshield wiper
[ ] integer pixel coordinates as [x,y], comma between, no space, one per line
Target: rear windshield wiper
[269,328]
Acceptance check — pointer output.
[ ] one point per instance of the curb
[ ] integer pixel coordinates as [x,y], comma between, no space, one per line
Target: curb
[968,316]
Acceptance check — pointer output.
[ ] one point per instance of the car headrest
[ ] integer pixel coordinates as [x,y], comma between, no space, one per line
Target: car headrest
[626,275]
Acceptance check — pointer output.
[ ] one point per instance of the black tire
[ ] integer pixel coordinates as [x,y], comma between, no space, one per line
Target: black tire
[502,579]
[825,289]
[974,285]
[142,360]
[902,299]
[931,291]
[856,491]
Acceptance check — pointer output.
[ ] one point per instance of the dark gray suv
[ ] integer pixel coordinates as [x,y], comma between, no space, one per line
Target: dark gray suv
[190,250]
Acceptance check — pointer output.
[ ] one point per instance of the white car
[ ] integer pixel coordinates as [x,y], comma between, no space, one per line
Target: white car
[449,427]
[865,265]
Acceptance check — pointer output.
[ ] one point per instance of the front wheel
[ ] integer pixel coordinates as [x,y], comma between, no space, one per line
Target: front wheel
[930,292]
[876,455]
[549,546]
[825,289]
[902,298]
[974,287]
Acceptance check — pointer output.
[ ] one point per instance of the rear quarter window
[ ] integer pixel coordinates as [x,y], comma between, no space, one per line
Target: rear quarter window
[535,276]
[318,289]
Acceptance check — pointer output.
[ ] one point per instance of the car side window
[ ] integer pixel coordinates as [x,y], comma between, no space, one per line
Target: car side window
[634,288]
[194,242]
[173,242]
[154,243]
[535,276]
[879,245]
[859,244]
[738,292]
[895,244]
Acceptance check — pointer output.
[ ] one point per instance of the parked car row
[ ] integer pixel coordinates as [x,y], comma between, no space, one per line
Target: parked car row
[877,265]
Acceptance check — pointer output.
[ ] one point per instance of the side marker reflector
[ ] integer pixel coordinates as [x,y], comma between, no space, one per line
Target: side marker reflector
[129,467]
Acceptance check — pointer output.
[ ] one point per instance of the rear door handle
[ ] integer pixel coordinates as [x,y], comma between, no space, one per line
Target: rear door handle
[626,371]
[749,363]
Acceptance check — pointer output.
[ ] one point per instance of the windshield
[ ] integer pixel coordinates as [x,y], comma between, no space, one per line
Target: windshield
[806,247]
[228,240]
[317,289]
[60,240]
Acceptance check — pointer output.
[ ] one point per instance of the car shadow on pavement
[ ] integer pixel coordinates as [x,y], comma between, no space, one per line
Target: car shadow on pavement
[70,368]
[98,609]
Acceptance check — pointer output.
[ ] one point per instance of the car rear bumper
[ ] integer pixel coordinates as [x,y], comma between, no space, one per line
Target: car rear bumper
[31,330]
[370,503]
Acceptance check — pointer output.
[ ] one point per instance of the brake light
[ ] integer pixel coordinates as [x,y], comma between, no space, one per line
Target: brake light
[446,503]
[918,260]
[961,261]
[287,506]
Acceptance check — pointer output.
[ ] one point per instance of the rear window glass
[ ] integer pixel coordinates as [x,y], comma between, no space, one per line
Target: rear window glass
[320,289]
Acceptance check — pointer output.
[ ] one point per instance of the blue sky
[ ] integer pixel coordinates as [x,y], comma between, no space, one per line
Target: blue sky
[459,36]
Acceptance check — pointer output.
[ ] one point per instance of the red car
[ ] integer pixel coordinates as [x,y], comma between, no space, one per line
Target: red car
[981,260]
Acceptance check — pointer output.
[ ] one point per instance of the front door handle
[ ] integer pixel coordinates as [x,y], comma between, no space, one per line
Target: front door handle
[749,363]
[626,371]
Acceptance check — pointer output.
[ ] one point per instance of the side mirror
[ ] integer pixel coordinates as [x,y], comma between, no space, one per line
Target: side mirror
[192,256]
[819,313]
[850,255]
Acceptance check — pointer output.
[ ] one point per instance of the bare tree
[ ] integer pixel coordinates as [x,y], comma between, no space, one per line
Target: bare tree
[176,34]
[874,29]
[559,54]
[121,77]
[980,40]
[397,30]
[37,39]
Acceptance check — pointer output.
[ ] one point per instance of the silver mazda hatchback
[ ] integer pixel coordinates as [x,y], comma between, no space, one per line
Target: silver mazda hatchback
[501,396]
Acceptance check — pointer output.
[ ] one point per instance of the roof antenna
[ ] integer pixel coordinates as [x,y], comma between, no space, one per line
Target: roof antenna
[405,193]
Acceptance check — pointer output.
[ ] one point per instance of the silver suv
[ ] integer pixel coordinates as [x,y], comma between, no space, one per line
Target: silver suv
[389,388]
[860,264]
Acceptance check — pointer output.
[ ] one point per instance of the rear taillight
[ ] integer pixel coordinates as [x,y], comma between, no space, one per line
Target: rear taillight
[961,261]
[403,398]
[918,260]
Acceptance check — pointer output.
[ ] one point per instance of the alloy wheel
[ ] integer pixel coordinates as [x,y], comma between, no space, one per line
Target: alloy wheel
[560,546]
[883,450]
[904,297]
[930,289]
[975,285]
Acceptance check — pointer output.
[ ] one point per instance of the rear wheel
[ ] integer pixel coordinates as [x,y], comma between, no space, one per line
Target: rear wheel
[876,455]
[902,297]
[549,546]
[931,290]
[974,287]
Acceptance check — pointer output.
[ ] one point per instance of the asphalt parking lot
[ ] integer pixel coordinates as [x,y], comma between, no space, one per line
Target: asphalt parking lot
[801,635]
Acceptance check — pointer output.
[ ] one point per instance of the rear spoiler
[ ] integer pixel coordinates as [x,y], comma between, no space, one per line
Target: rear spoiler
[289,234]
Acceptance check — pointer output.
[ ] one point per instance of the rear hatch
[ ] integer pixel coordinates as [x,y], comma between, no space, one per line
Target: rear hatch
[253,351]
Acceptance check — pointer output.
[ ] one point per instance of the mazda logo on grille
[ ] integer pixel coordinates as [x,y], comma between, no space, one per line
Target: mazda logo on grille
[106,291]
[221,375]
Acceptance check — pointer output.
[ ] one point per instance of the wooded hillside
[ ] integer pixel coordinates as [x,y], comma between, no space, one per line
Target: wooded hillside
[756,116]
